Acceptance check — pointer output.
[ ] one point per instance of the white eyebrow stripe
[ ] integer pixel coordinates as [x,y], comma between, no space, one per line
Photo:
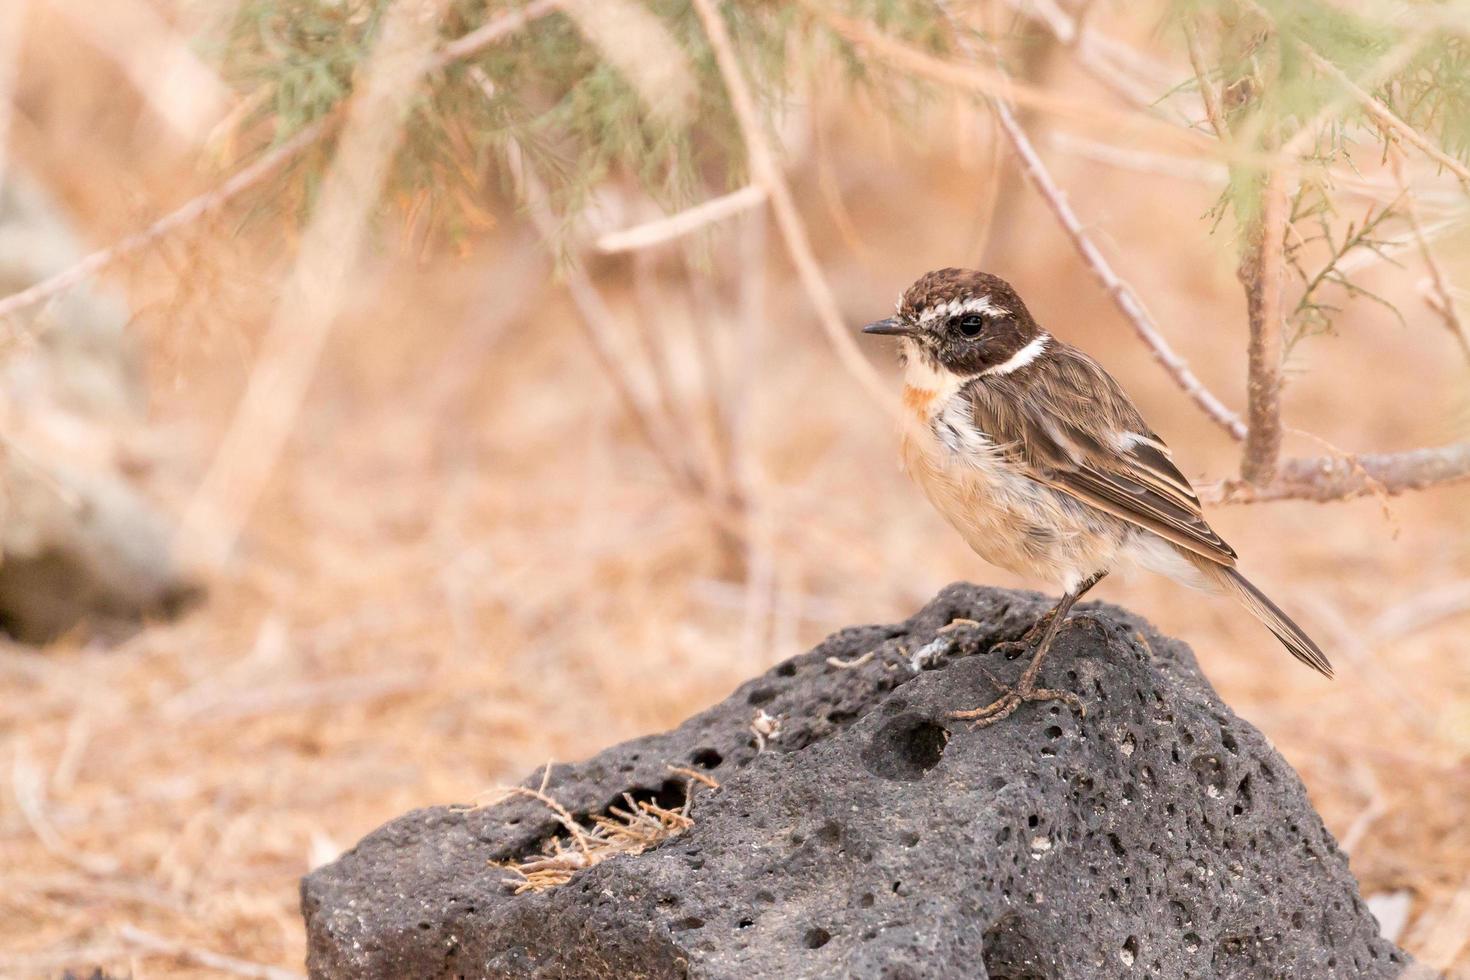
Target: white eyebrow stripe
[955,307]
[1022,357]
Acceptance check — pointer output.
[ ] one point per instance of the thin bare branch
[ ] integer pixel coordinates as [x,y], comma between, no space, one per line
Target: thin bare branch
[1121,292]
[1263,274]
[1441,297]
[186,214]
[1213,112]
[1329,478]
[674,226]
[766,171]
[254,173]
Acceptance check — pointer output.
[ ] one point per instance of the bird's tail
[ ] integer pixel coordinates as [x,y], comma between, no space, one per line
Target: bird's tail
[1292,636]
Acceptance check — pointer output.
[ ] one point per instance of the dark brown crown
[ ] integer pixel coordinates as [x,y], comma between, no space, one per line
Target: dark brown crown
[942,286]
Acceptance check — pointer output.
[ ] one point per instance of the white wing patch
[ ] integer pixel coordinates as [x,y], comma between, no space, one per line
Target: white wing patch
[1126,441]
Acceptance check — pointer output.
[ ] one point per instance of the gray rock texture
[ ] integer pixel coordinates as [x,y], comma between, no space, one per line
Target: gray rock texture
[1159,836]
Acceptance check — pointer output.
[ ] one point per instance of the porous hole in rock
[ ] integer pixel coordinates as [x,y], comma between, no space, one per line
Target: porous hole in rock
[1210,772]
[706,758]
[788,669]
[816,937]
[687,923]
[1009,952]
[760,696]
[905,748]
[829,833]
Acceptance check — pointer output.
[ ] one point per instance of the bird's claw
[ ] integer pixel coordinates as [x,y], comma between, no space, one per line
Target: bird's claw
[1011,699]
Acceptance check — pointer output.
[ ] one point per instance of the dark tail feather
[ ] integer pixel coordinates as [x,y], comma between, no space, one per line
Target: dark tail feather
[1290,634]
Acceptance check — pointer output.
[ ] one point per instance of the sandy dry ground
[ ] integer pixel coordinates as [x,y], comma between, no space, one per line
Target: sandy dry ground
[467,561]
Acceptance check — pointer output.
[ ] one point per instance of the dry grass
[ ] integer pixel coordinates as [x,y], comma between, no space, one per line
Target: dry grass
[622,831]
[467,561]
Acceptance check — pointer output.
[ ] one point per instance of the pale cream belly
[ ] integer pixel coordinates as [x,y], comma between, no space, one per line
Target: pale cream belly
[1009,520]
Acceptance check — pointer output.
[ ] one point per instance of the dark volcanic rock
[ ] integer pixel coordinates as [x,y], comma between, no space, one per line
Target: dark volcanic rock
[1160,836]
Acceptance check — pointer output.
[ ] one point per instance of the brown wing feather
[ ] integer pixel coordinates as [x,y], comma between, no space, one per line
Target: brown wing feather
[1070,424]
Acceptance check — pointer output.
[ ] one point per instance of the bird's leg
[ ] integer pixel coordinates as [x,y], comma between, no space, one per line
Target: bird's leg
[1026,689]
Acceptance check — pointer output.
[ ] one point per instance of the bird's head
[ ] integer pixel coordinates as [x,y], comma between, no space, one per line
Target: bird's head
[966,323]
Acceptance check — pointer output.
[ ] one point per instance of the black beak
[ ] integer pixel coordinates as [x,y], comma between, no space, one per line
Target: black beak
[891,327]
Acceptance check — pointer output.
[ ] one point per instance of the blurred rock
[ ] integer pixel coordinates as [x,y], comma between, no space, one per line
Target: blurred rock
[77,541]
[1159,836]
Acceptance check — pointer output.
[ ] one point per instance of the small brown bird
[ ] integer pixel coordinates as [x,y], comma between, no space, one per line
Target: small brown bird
[1041,462]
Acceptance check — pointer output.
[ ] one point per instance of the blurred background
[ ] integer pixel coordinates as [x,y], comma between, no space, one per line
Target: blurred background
[396,396]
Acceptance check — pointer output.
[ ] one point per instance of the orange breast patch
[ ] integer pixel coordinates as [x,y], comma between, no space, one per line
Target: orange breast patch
[918,400]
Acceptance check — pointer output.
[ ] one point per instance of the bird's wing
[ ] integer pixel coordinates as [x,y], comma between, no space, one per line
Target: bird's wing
[1072,428]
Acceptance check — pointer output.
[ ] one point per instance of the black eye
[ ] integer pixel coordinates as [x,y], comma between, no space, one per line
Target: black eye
[970,324]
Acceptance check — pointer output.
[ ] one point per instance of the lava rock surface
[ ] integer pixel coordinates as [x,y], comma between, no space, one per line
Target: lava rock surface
[1158,836]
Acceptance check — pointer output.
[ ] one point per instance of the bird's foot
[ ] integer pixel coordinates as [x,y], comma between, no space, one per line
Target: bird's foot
[1005,705]
[1012,698]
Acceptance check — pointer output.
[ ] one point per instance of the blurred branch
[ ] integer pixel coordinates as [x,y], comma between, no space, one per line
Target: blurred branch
[1122,294]
[1111,63]
[1383,114]
[254,173]
[188,213]
[12,23]
[217,962]
[1441,298]
[318,284]
[596,319]
[991,82]
[1213,112]
[766,171]
[491,32]
[1206,172]
[183,91]
[1327,478]
[1389,247]
[675,226]
[634,41]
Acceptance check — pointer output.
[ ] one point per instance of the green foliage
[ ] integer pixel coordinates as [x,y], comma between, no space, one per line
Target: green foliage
[578,121]
[1277,94]
[1313,222]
